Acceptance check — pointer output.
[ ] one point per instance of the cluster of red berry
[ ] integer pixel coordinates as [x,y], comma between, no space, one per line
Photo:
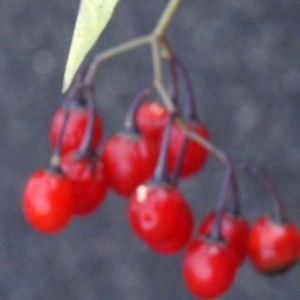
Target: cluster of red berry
[212,260]
[74,183]
[143,162]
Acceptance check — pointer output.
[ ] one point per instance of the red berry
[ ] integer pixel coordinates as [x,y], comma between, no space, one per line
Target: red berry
[152,118]
[273,247]
[89,181]
[129,161]
[176,242]
[195,155]
[208,270]
[155,212]
[234,230]
[47,201]
[75,128]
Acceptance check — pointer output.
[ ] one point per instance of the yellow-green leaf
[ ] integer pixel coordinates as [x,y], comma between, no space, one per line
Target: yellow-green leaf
[92,18]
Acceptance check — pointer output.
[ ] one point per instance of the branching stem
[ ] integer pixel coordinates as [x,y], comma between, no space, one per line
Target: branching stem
[160,50]
[112,52]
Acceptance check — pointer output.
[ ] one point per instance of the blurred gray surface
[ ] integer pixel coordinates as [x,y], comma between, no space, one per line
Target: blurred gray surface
[244,61]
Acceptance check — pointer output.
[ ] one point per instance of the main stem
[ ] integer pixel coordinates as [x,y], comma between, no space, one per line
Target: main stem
[166,17]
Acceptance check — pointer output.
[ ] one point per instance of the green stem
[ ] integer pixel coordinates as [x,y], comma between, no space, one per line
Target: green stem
[156,61]
[166,17]
[158,75]
[112,52]
[221,155]
[158,34]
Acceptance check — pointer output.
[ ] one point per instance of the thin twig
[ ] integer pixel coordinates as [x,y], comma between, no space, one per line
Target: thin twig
[112,52]
[278,213]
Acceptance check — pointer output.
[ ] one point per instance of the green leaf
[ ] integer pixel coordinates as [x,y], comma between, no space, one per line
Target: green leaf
[92,19]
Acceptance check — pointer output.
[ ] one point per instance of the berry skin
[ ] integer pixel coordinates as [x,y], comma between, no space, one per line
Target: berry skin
[155,212]
[152,118]
[90,184]
[75,128]
[234,230]
[129,161]
[195,155]
[208,270]
[273,247]
[176,242]
[47,201]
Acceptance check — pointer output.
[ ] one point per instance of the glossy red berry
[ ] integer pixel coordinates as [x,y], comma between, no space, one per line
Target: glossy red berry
[208,270]
[90,184]
[47,201]
[234,230]
[273,247]
[75,128]
[152,118]
[180,238]
[155,212]
[195,155]
[129,160]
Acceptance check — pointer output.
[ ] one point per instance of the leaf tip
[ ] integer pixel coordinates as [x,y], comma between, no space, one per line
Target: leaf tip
[65,87]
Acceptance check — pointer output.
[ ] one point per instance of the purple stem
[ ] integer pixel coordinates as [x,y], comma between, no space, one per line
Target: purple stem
[215,234]
[130,124]
[57,150]
[189,112]
[83,71]
[78,83]
[85,148]
[55,158]
[277,214]
[160,175]
[174,81]
[236,203]
[74,94]
[175,174]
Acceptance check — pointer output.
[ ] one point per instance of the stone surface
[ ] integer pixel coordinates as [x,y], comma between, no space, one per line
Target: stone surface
[244,62]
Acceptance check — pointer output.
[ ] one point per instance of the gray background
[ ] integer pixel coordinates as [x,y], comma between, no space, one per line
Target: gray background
[244,61]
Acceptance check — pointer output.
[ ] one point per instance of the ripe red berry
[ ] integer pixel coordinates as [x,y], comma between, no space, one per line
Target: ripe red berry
[129,160]
[273,247]
[152,118]
[75,128]
[155,212]
[89,181]
[195,155]
[47,201]
[208,270]
[180,238]
[234,230]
